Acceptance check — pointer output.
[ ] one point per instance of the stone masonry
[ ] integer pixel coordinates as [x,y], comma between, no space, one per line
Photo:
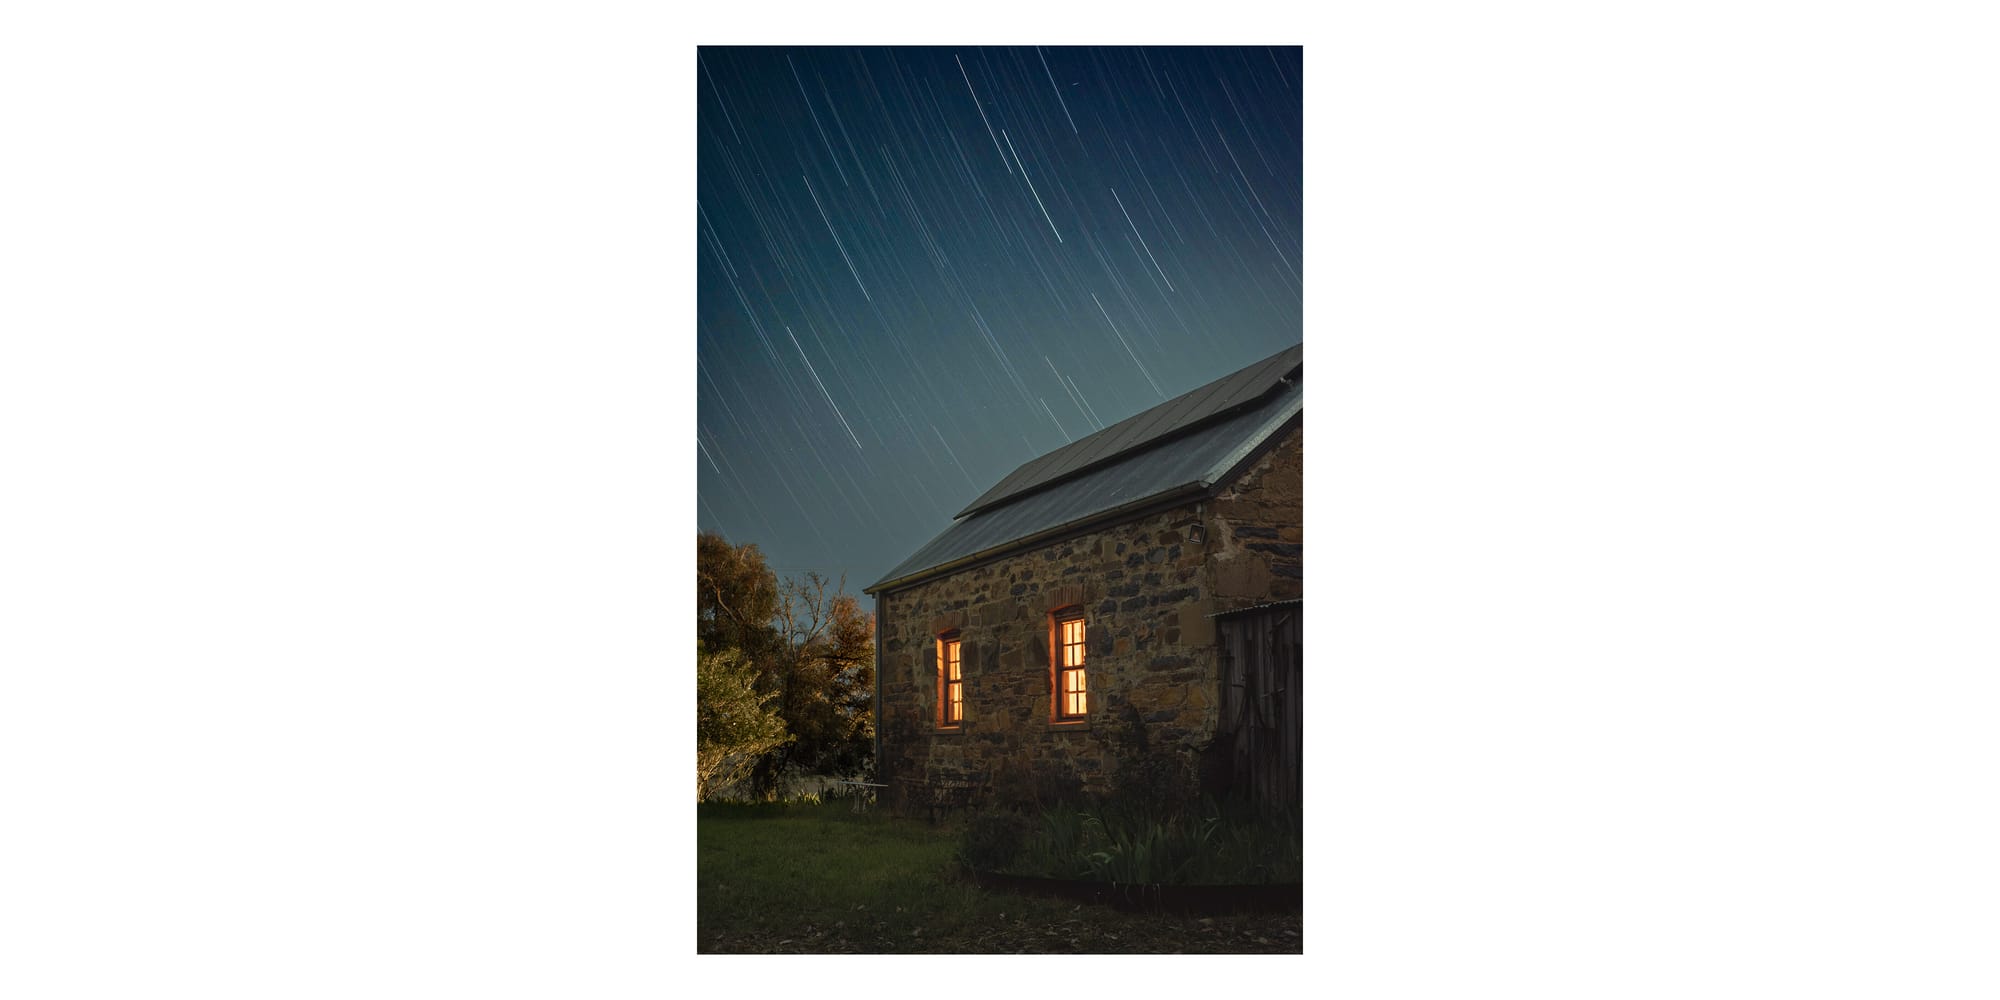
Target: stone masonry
[1146,587]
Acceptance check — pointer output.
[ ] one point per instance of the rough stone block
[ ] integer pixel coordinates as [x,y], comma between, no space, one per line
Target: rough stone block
[1280,549]
[1197,629]
[1242,577]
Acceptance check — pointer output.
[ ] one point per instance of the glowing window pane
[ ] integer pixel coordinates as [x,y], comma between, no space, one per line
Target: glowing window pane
[1072,643]
[954,686]
[1072,699]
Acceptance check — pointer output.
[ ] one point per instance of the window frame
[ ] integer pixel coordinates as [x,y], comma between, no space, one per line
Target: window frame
[950,642]
[1060,692]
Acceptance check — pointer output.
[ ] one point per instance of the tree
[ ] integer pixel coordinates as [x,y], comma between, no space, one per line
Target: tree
[810,651]
[735,724]
[826,677]
[736,596]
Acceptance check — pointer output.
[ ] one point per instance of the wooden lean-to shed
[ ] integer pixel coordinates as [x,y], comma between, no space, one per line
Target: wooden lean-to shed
[1119,615]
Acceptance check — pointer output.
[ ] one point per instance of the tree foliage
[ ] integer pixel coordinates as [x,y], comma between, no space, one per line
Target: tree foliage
[809,647]
[826,677]
[735,724]
[736,596]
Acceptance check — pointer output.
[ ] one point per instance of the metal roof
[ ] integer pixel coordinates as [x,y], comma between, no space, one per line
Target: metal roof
[1255,607]
[1182,455]
[1173,416]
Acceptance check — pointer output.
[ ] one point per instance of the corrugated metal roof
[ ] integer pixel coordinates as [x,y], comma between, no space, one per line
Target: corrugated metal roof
[1193,460]
[1255,607]
[1141,430]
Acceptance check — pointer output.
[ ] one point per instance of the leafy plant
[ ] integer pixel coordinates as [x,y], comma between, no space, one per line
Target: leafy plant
[992,840]
[735,724]
[1128,843]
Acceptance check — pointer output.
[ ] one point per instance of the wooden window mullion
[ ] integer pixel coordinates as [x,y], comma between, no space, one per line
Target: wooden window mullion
[951,682]
[1071,688]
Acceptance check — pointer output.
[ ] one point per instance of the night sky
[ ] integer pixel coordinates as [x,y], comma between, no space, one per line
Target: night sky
[921,267]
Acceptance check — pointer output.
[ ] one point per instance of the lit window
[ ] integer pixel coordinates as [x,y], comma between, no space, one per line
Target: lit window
[1072,694]
[951,683]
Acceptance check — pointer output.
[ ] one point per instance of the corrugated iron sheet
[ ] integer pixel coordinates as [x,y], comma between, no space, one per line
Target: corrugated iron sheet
[1262,720]
[1196,460]
[1256,607]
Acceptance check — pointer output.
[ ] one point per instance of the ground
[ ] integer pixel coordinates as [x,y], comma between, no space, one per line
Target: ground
[820,879]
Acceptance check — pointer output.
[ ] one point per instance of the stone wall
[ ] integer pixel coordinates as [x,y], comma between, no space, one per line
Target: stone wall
[1257,530]
[1146,587]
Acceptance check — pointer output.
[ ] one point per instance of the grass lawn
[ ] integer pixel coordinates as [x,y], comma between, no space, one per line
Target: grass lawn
[819,879]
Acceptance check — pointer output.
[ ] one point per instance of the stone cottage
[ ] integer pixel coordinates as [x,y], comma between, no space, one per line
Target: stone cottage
[1119,615]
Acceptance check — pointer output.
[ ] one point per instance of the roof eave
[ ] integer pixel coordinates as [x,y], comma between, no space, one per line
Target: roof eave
[1166,498]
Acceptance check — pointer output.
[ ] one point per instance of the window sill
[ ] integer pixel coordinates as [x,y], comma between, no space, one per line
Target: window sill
[948,730]
[1069,724]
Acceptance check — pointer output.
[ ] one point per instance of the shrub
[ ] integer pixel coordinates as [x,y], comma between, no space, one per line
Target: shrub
[1123,841]
[734,723]
[992,840]
[853,799]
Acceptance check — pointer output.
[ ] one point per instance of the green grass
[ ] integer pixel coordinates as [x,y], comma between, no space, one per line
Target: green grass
[820,879]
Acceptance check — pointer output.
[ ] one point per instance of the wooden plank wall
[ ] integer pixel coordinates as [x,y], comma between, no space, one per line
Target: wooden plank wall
[1262,719]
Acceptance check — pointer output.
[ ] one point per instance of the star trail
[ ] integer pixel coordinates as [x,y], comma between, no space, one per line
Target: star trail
[892,315]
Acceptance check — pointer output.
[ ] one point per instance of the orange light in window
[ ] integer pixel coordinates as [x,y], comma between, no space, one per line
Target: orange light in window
[1075,696]
[954,684]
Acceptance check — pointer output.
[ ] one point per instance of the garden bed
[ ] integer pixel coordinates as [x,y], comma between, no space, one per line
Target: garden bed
[1136,856]
[1192,899]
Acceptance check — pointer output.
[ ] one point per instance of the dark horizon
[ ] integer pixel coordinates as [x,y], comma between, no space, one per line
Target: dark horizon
[903,294]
